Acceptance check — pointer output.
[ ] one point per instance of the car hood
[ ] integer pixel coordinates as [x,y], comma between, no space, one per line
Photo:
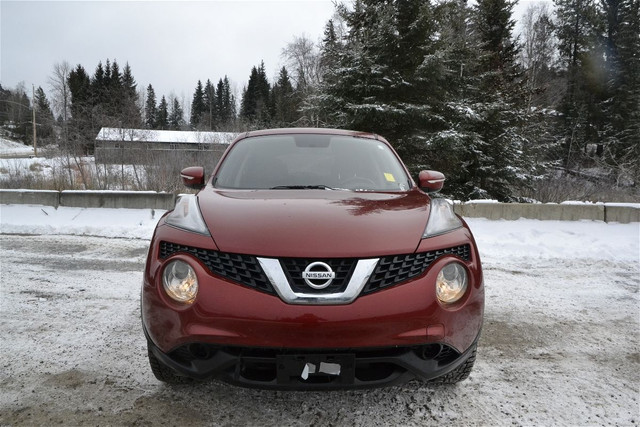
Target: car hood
[314,223]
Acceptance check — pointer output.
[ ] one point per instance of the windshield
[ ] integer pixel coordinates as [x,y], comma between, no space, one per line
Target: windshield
[312,161]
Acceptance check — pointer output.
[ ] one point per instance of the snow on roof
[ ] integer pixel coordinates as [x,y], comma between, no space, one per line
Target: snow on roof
[171,136]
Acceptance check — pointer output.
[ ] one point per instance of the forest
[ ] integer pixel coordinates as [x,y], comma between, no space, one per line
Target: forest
[550,111]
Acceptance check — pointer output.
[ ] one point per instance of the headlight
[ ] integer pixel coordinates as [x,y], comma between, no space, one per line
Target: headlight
[187,215]
[451,283]
[180,282]
[441,219]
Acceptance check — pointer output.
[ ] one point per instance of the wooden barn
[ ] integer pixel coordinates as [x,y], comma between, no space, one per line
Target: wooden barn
[142,146]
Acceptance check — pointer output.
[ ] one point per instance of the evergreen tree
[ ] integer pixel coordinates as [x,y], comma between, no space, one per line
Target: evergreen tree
[98,86]
[80,87]
[455,148]
[357,92]
[42,105]
[443,87]
[577,30]
[225,105]
[150,110]
[176,116]
[220,102]
[621,104]
[16,111]
[329,49]
[44,115]
[129,113]
[284,104]
[255,98]
[316,109]
[228,102]
[162,122]
[503,164]
[129,83]
[197,106]
[107,73]
[81,128]
[210,111]
[115,90]
[379,86]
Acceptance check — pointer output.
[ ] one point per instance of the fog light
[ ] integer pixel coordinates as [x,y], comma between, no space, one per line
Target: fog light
[451,283]
[180,282]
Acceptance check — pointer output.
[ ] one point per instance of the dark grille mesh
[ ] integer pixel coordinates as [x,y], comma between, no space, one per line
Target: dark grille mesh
[243,269]
[394,269]
[293,268]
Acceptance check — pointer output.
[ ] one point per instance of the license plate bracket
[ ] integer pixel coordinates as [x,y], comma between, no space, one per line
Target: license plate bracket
[320,368]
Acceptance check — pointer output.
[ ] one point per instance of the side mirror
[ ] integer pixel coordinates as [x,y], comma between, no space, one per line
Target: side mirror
[193,177]
[431,181]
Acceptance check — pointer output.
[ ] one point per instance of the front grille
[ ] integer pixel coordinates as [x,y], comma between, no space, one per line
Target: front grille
[293,268]
[243,269]
[395,269]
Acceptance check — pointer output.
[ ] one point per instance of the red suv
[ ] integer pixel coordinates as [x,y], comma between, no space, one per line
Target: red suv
[311,260]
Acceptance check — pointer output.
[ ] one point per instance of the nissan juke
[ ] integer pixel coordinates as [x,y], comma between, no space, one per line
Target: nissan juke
[310,259]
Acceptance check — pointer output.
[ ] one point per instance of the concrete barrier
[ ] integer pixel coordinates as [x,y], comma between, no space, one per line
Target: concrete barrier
[117,199]
[89,199]
[513,211]
[30,197]
[151,200]
[622,214]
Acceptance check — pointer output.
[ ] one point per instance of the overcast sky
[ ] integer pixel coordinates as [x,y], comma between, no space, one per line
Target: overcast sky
[169,44]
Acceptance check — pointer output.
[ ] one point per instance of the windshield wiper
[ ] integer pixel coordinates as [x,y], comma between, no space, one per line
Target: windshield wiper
[301,187]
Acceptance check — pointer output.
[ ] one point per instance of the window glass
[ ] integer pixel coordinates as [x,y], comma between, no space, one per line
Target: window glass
[340,162]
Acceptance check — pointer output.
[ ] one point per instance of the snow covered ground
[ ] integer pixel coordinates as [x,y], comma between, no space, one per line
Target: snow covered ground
[19,167]
[560,344]
[11,148]
[103,222]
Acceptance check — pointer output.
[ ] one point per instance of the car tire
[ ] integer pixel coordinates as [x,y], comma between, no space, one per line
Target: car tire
[461,373]
[164,373]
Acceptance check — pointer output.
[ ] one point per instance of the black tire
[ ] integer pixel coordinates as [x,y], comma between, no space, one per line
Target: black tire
[164,373]
[461,373]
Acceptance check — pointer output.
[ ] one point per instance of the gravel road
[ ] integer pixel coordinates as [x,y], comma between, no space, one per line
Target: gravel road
[560,345]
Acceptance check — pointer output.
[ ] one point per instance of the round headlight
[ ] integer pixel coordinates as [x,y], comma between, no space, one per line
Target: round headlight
[180,281]
[451,283]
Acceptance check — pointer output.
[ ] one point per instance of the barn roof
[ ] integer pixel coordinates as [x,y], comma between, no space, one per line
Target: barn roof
[167,136]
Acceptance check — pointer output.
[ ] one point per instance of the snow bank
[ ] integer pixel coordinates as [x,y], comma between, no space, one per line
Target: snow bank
[557,239]
[12,147]
[103,222]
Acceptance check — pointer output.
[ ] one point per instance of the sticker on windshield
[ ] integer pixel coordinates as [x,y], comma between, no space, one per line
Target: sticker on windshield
[389,177]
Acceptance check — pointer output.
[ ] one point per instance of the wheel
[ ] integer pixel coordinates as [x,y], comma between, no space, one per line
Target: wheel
[164,373]
[461,373]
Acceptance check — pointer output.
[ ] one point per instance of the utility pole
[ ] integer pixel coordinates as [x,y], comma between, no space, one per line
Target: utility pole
[33,97]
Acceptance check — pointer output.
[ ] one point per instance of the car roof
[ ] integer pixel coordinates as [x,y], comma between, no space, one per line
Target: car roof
[312,131]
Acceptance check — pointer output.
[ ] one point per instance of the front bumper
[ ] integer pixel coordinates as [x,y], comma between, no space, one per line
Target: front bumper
[284,369]
[242,335]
